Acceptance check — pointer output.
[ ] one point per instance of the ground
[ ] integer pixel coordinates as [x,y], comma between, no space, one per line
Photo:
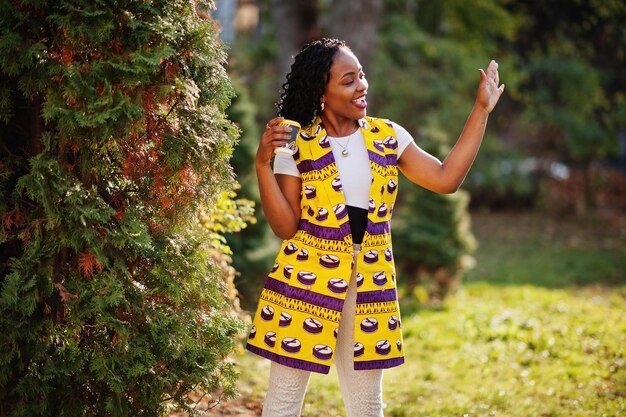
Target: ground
[525,250]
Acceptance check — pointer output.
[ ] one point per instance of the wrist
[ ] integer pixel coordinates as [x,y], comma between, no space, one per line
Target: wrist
[263,165]
[481,109]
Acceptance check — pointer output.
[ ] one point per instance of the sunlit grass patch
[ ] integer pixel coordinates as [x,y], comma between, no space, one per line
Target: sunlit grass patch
[514,351]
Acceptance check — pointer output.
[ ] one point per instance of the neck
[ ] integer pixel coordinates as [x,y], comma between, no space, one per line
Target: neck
[339,128]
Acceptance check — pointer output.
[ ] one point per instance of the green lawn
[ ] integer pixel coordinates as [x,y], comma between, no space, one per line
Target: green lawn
[538,328]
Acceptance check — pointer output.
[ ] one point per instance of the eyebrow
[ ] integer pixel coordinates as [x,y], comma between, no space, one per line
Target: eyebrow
[351,73]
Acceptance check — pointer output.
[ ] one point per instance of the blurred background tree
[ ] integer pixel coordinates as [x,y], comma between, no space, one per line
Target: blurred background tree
[570,97]
[553,142]
[114,299]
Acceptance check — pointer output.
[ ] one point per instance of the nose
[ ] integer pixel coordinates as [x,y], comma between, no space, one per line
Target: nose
[363,84]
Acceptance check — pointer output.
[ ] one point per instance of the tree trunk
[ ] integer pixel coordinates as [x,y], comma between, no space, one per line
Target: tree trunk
[357,23]
[298,22]
[295,22]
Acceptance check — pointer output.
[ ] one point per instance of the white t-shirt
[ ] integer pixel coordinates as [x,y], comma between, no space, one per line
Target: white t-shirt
[354,169]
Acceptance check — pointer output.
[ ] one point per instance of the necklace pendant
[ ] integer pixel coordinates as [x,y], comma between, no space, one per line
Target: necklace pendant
[344,152]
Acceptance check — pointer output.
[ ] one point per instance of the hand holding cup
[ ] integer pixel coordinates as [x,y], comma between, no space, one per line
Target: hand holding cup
[288,147]
[278,134]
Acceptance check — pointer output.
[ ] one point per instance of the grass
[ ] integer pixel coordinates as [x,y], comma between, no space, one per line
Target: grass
[537,329]
[526,248]
[514,351]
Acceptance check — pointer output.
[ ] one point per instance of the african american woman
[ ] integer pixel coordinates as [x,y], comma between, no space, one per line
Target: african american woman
[331,295]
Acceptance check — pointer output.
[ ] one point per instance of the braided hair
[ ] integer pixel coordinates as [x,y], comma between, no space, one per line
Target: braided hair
[306,82]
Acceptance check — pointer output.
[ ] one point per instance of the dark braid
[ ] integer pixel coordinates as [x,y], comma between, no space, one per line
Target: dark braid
[306,82]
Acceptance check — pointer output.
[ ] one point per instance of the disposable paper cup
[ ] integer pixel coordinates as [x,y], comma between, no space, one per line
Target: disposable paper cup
[288,148]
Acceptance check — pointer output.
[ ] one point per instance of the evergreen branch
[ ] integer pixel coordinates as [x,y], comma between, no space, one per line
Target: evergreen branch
[162,119]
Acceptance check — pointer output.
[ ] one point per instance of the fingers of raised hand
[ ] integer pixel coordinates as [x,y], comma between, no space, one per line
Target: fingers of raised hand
[492,73]
[492,77]
[492,70]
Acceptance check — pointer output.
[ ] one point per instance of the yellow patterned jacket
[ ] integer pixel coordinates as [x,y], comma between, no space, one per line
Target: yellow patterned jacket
[300,305]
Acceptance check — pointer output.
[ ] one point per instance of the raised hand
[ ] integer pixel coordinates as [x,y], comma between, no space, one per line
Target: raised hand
[489,89]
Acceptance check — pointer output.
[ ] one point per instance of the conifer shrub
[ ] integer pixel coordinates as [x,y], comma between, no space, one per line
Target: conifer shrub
[434,242]
[113,136]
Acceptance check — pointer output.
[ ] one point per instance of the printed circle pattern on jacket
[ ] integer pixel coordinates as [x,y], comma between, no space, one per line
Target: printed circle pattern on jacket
[302,299]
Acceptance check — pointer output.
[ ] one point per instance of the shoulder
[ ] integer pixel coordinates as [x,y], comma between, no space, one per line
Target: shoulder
[402,135]
[400,132]
[378,122]
[386,124]
[312,130]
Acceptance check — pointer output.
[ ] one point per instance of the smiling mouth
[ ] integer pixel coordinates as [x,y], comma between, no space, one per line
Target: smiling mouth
[360,102]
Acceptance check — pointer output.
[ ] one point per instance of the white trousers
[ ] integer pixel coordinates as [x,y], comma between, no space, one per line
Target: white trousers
[362,391]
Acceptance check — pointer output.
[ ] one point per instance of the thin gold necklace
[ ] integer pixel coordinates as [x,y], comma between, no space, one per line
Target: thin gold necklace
[344,151]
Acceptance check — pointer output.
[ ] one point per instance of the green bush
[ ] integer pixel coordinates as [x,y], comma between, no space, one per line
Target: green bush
[113,136]
[433,242]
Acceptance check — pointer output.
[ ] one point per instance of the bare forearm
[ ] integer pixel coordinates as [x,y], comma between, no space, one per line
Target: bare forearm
[279,213]
[460,159]
[447,176]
